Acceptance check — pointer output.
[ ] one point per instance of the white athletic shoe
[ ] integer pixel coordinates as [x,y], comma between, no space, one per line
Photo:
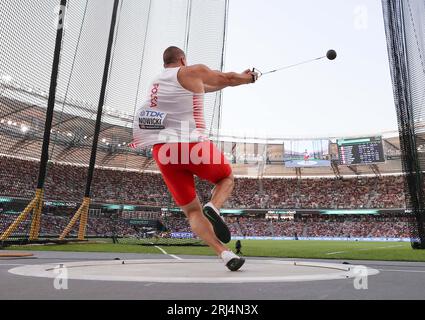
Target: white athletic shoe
[232,261]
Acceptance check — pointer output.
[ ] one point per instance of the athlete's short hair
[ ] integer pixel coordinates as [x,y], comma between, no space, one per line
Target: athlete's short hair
[173,54]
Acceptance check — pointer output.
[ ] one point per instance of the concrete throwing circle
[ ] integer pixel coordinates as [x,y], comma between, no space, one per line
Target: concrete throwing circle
[194,271]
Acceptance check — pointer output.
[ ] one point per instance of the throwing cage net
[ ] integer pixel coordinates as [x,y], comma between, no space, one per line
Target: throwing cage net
[71,75]
[405,29]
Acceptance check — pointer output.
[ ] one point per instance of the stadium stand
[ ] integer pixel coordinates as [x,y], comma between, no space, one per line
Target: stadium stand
[318,226]
[65,182]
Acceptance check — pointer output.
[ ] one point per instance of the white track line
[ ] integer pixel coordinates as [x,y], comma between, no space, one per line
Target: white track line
[390,247]
[165,252]
[331,253]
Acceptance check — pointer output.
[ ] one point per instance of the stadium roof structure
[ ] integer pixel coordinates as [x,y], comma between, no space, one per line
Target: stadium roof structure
[22,126]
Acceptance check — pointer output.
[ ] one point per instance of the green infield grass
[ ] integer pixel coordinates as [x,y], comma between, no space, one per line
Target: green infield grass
[382,251]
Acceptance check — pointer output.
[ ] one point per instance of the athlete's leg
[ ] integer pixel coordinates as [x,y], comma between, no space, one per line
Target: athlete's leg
[222,191]
[202,227]
[181,185]
[208,163]
[217,170]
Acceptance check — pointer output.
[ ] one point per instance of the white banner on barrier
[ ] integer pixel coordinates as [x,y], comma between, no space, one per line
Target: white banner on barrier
[326,239]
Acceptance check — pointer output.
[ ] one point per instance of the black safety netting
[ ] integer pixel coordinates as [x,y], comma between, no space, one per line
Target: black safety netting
[143,29]
[405,29]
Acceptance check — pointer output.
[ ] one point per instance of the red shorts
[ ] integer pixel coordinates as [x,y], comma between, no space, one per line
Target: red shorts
[179,162]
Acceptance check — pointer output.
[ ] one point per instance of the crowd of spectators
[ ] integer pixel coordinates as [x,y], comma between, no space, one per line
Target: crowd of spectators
[18,178]
[369,226]
[322,226]
[67,183]
[176,224]
[311,226]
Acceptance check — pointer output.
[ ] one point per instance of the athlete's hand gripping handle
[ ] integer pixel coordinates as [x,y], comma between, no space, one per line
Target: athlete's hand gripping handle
[256,74]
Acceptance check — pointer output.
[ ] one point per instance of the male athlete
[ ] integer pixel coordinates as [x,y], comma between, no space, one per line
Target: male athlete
[306,156]
[171,120]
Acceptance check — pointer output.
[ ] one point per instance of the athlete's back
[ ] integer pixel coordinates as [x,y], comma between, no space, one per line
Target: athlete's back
[169,113]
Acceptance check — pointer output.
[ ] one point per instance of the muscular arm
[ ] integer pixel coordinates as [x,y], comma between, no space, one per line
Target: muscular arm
[199,78]
[217,79]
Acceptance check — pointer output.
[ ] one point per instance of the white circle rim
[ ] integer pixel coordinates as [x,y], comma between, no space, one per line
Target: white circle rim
[329,271]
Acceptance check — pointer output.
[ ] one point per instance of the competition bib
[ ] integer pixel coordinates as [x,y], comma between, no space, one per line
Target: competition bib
[150,119]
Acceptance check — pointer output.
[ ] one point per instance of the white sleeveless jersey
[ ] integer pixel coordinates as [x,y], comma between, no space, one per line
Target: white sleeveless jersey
[170,113]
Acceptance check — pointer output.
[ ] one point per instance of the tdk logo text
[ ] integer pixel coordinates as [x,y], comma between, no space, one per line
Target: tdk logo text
[153,114]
